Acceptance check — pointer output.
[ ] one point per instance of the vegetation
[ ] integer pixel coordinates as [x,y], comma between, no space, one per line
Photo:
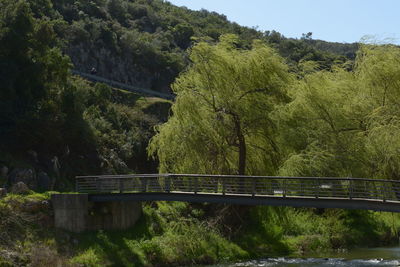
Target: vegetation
[247,102]
[144,42]
[47,113]
[230,118]
[343,123]
[223,103]
[242,112]
[49,116]
[170,234]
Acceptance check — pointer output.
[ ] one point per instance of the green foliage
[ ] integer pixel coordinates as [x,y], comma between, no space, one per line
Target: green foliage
[121,133]
[165,235]
[264,232]
[240,108]
[345,123]
[88,258]
[177,233]
[338,122]
[38,98]
[150,38]
[30,64]
[220,117]
[283,231]
[47,111]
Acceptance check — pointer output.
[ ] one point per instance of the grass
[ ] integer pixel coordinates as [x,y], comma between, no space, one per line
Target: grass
[163,236]
[299,231]
[134,99]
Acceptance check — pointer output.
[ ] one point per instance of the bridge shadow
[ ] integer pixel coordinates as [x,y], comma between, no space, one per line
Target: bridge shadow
[360,222]
[118,246]
[260,228]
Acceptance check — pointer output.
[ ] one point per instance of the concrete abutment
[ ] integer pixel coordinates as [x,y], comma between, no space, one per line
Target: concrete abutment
[75,213]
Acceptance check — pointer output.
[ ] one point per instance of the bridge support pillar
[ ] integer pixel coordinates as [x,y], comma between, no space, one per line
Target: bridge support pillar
[70,211]
[113,215]
[75,213]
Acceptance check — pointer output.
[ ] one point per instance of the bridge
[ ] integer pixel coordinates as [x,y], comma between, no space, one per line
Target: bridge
[317,192]
[123,86]
[114,201]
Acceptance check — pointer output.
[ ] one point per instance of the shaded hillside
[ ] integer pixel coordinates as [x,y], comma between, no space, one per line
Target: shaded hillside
[136,42]
[144,43]
[345,49]
[53,125]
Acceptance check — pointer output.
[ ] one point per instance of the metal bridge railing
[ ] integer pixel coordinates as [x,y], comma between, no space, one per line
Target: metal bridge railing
[313,187]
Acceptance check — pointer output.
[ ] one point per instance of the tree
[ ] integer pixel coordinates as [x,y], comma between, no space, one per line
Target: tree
[378,72]
[117,10]
[306,36]
[319,127]
[182,34]
[346,123]
[221,118]
[32,68]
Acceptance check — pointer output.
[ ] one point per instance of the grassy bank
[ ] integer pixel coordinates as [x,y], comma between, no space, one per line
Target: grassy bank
[166,234]
[282,231]
[181,234]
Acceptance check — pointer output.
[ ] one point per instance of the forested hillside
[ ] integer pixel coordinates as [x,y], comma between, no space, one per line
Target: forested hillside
[144,42]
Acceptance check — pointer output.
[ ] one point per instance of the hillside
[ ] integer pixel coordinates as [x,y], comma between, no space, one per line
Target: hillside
[136,42]
[59,125]
[144,43]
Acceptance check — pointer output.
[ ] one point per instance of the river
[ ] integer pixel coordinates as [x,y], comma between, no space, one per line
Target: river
[357,258]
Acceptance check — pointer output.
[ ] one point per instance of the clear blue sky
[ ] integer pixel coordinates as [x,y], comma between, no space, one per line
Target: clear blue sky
[330,20]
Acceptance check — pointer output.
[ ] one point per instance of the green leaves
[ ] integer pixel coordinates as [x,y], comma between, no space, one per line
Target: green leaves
[353,116]
[241,111]
[220,121]
[32,69]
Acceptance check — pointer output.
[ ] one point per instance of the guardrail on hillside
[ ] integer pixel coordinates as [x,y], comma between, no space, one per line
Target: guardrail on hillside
[313,187]
[123,86]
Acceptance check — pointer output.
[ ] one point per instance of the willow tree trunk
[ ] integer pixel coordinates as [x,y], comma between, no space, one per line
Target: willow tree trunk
[242,155]
[241,145]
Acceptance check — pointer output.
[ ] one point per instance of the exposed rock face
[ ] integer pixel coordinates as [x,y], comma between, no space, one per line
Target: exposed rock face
[33,156]
[3,171]
[44,182]
[108,65]
[26,176]
[20,188]
[3,192]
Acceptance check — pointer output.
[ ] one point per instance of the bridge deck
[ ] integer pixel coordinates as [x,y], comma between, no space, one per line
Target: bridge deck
[326,192]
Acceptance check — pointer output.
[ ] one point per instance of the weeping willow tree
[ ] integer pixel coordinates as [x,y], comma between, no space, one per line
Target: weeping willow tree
[378,71]
[221,119]
[234,114]
[345,123]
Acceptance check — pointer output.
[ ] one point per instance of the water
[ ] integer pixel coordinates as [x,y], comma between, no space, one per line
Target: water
[357,258]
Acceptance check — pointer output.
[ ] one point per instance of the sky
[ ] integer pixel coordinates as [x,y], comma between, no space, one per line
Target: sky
[330,20]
